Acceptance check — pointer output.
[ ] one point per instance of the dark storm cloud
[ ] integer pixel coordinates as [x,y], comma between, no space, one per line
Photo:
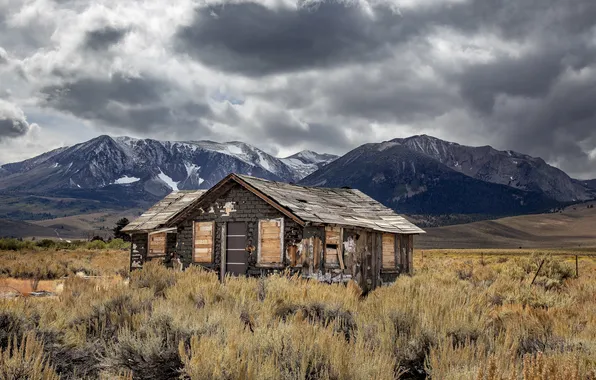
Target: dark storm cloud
[101,39]
[556,126]
[137,103]
[527,76]
[12,127]
[12,121]
[255,40]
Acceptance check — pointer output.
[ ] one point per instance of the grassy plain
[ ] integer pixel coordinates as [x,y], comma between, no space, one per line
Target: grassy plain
[465,314]
[572,227]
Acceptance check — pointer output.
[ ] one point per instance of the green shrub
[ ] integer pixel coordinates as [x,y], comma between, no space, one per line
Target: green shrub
[10,244]
[118,244]
[46,243]
[96,244]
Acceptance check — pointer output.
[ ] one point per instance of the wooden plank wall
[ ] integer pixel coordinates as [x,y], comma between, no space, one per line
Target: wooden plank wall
[203,242]
[270,241]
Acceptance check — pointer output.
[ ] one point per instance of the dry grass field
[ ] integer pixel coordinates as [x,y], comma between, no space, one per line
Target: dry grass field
[574,227]
[465,314]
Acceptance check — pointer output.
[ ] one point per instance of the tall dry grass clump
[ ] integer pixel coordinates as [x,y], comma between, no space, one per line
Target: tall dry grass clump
[25,359]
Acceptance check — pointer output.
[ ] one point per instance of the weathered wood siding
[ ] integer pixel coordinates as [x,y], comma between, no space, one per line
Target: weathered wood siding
[233,204]
[157,244]
[138,250]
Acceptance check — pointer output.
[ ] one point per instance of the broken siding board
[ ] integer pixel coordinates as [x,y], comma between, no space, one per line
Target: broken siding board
[203,242]
[388,251]
[411,254]
[317,244]
[157,244]
[270,241]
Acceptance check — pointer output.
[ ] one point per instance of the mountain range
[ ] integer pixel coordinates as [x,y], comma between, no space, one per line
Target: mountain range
[419,175]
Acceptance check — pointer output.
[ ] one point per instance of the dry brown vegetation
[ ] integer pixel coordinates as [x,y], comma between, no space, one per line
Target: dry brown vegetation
[572,227]
[53,264]
[463,315]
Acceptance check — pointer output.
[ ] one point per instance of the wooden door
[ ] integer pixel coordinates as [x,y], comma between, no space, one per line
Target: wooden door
[236,255]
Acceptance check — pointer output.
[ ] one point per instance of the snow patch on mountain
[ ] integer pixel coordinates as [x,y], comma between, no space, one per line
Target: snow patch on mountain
[124,180]
[168,180]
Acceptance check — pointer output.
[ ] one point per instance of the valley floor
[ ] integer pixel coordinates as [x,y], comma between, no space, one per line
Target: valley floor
[465,314]
[574,227]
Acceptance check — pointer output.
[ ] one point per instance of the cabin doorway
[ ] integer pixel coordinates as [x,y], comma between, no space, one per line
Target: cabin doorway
[236,255]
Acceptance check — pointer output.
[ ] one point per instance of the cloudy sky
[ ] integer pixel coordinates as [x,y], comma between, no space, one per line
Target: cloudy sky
[287,75]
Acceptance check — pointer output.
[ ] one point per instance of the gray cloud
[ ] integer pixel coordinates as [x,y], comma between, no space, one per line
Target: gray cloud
[282,130]
[12,121]
[252,39]
[3,56]
[101,39]
[133,102]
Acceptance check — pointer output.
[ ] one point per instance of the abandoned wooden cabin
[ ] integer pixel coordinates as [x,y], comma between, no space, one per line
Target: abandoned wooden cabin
[149,230]
[250,226]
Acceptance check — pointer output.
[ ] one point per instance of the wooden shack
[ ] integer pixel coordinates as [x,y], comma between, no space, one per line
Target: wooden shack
[250,226]
[151,239]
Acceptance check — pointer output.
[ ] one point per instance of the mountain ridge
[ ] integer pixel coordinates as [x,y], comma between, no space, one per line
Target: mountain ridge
[411,182]
[418,175]
[157,165]
[510,168]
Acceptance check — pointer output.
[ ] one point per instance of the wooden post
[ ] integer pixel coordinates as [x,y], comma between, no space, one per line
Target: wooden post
[576,267]
[538,271]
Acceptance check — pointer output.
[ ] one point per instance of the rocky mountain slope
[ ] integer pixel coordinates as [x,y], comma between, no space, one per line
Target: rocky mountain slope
[414,182]
[305,162]
[144,169]
[508,168]
[590,184]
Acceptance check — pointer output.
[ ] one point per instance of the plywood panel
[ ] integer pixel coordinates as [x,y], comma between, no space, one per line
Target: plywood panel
[270,241]
[203,242]
[389,251]
[157,244]
[332,245]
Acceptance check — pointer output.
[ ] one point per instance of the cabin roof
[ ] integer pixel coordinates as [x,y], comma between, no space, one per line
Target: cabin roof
[338,206]
[163,211]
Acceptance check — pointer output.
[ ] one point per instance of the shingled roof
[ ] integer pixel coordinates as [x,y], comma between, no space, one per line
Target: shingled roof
[163,211]
[339,206]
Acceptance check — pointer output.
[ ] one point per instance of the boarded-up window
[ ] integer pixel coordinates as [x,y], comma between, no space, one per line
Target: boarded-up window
[270,241]
[332,245]
[203,242]
[389,251]
[157,244]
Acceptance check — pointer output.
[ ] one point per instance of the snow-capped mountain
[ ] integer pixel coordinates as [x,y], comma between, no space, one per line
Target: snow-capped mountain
[306,162]
[509,168]
[412,182]
[146,166]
